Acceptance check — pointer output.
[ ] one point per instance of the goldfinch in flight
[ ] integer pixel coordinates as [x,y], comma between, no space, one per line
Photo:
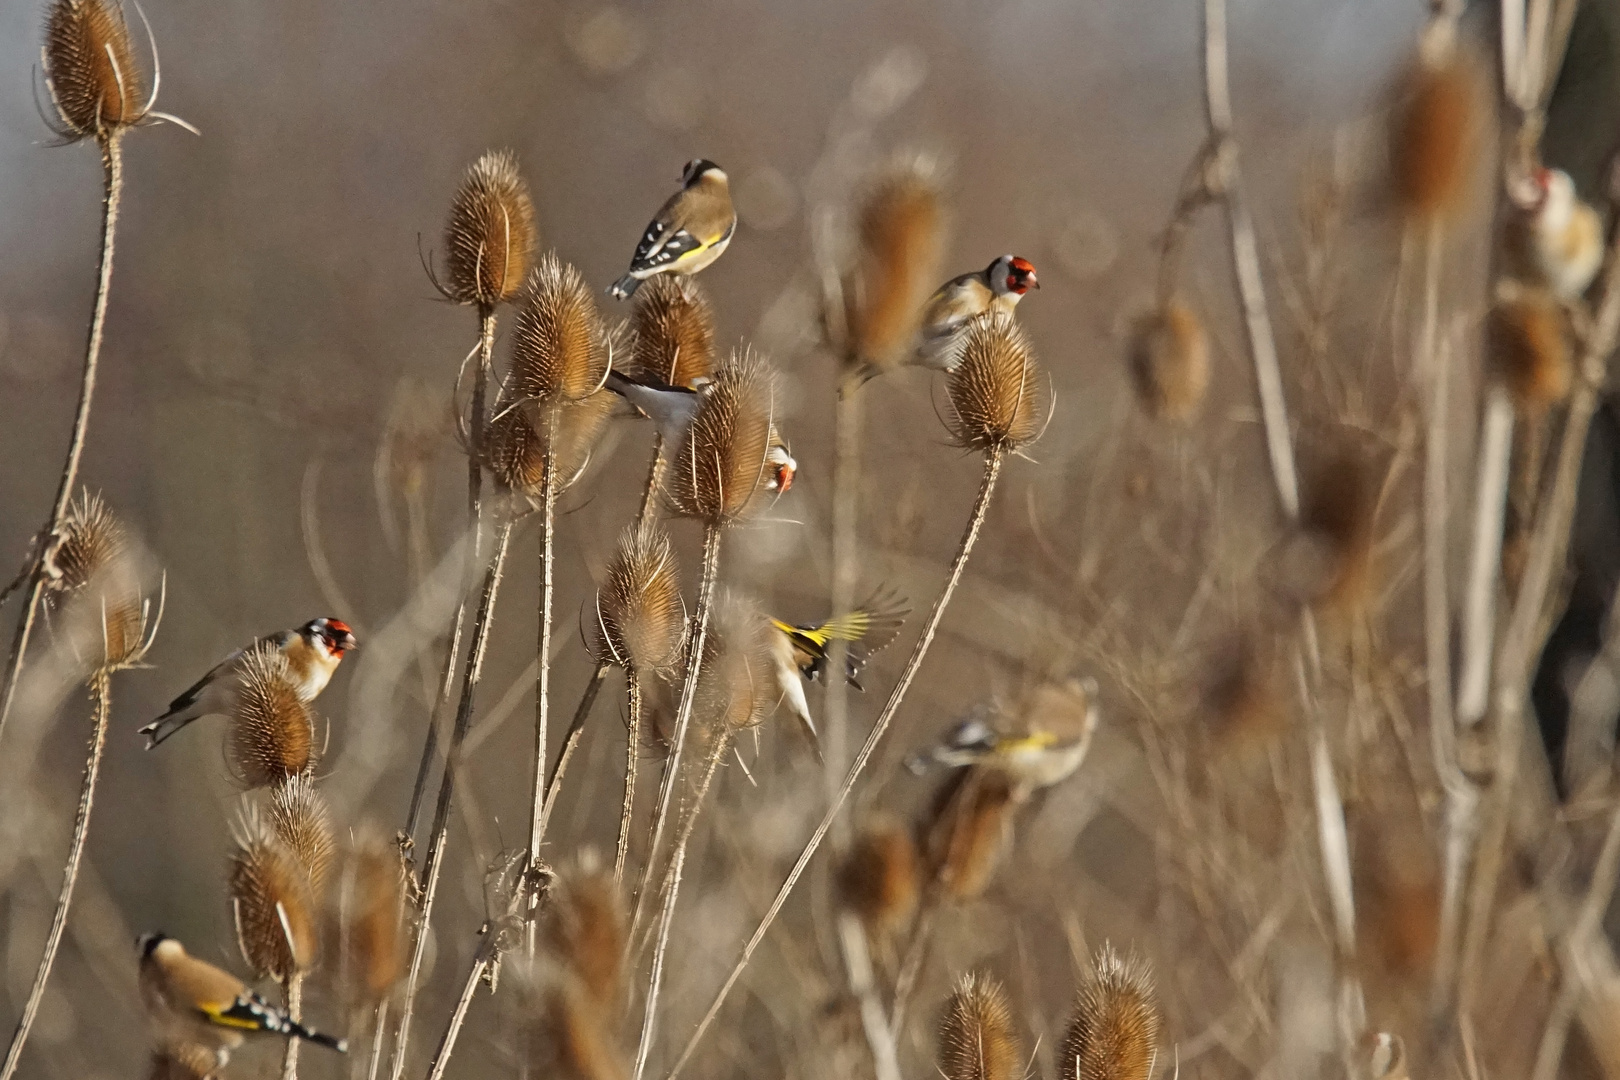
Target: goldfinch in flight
[1055,726]
[193,1003]
[998,287]
[1559,239]
[689,231]
[800,652]
[313,652]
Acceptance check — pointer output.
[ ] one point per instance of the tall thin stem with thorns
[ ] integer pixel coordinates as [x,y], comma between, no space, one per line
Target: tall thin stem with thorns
[292,989]
[632,756]
[112,162]
[845,525]
[542,680]
[987,485]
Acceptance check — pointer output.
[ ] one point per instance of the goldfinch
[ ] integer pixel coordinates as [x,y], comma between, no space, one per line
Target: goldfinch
[689,231]
[670,408]
[998,287]
[313,652]
[1557,240]
[1055,728]
[800,652]
[780,467]
[193,1003]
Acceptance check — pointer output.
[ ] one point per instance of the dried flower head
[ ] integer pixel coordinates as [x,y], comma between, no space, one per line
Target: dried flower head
[1336,522]
[93,541]
[299,818]
[568,1033]
[490,233]
[1440,125]
[968,829]
[1114,1033]
[184,1061]
[90,68]
[879,878]
[1245,702]
[272,732]
[1529,347]
[721,470]
[1169,362]
[994,390]
[976,1036]
[272,902]
[517,442]
[640,616]
[371,934]
[96,574]
[735,689]
[674,331]
[559,344]
[419,426]
[586,929]
[901,232]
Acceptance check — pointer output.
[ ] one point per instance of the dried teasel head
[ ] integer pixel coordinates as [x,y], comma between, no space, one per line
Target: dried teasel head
[184,1061]
[90,68]
[967,830]
[640,616]
[995,390]
[1169,362]
[272,902]
[901,235]
[1114,1033]
[272,731]
[519,438]
[95,582]
[490,233]
[1529,347]
[1440,125]
[1328,560]
[879,879]
[674,331]
[586,929]
[721,470]
[735,688]
[977,1040]
[560,348]
[300,820]
[1244,700]
[566,1031]
[371,932]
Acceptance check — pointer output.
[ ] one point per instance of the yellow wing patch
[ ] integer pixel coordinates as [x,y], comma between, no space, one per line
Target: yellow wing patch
[220,1013]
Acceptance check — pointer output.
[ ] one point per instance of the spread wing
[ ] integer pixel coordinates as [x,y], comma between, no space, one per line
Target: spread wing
[873,625]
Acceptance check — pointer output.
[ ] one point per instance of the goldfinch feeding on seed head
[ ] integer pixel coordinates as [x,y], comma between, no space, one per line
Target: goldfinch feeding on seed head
[313,652]
[193,1003]
[779,465]
[998,287]
[1559,240]
[670,408]
[1056,724]
[800,652]
[689,231]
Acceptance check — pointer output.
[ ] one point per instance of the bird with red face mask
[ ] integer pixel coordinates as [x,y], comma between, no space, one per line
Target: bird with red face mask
[1556,239]
[312,651]
[998,287]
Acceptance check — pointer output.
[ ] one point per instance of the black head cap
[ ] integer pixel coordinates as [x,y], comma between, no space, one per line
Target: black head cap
[147,942]
[696,168]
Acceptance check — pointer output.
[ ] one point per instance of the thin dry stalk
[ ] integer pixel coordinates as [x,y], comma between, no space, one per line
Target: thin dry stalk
[845,569]
[632,756]
[487,950]
[292,989]
[863,987]
[542,682]
[649,1018]
[571,738]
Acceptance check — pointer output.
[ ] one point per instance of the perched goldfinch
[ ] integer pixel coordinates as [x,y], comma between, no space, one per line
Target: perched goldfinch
[800,652]
[998,287]
[779,465]
[313,652]
[1056,724]
[1558,240]
[689,231]
[193,1003]
[670,408]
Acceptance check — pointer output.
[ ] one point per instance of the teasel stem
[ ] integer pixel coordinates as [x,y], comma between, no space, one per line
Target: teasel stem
[542,681]
[292,989]
[992,470]
[911,967]
[441,815]
[447,1042]
[379,1036]
[112,164]
[863,985]
[100,710]
[576,729]
[632,756]
[665,918]
[689,820]
[655,471]
[683,713]
[845,525]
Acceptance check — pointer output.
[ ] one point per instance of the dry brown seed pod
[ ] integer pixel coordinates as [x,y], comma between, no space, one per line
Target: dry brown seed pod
[184,1061]
[968,829]
[879,878]
[1439,127]
[96,573]
[90,68]
[1529,347]
[490,233]
[976,1036]
[995,389]
[640,615]
[720,471]
[736,690]
[1245,701]
[517,441]
[272,731]
[271,901]
[674,331]
[559,344]
[1114,1033]
[586,929]
[371,931]
[568,1032]
[901,233]
[299,818]
[1169,362]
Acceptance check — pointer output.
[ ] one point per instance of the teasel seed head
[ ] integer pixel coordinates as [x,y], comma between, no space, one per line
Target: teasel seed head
[901,235]
[735,687]
[559,344]
[968,829]
[879,878]
[640,615]
[299,818]
[1529,347]
[586,929]
[371,932]
[1114,1033]
[184,1061]
[1169,362]
[718,475]
[568,1031]
[995,390]
[271,901]
[1245,701]
[272,731]
[90,67]
[1440,127]
[977,1040]
[674,331]
[490,233]
[95,571]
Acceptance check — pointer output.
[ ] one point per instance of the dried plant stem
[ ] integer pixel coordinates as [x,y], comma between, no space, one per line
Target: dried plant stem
[542,681]
[845,531]
[655,470]
[441,701]
[987,485]
[631,758]
[1485,557]
[863,986]
[379,1036]
[911,967]
[100,710]
[447,1042]
[112,163]
[571,738]
[292,989]
[441,814]
[1436,495]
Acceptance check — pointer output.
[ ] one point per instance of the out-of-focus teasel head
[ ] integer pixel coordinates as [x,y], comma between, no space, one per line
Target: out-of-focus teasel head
[723,468]
[489,234]
[900,236]
[1169,362]
[1327,561]
[560,347]
[184,1061]
[1114,1032]
[977,1040]
[271,737]
[1441,122]
[1529,347]
[371,932]
[91,71]
[995,391]
[640,615]
[272,902]
[736,690]
[880,877]
[585,928]
[1244,698]
[564,1031]
[515,446]
[300,820]
[94,593]
[674,331]
[967,830]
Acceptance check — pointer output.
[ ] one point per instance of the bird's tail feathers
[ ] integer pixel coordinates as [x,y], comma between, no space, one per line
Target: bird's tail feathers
[624,287]
[321,1037]
[164,726]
